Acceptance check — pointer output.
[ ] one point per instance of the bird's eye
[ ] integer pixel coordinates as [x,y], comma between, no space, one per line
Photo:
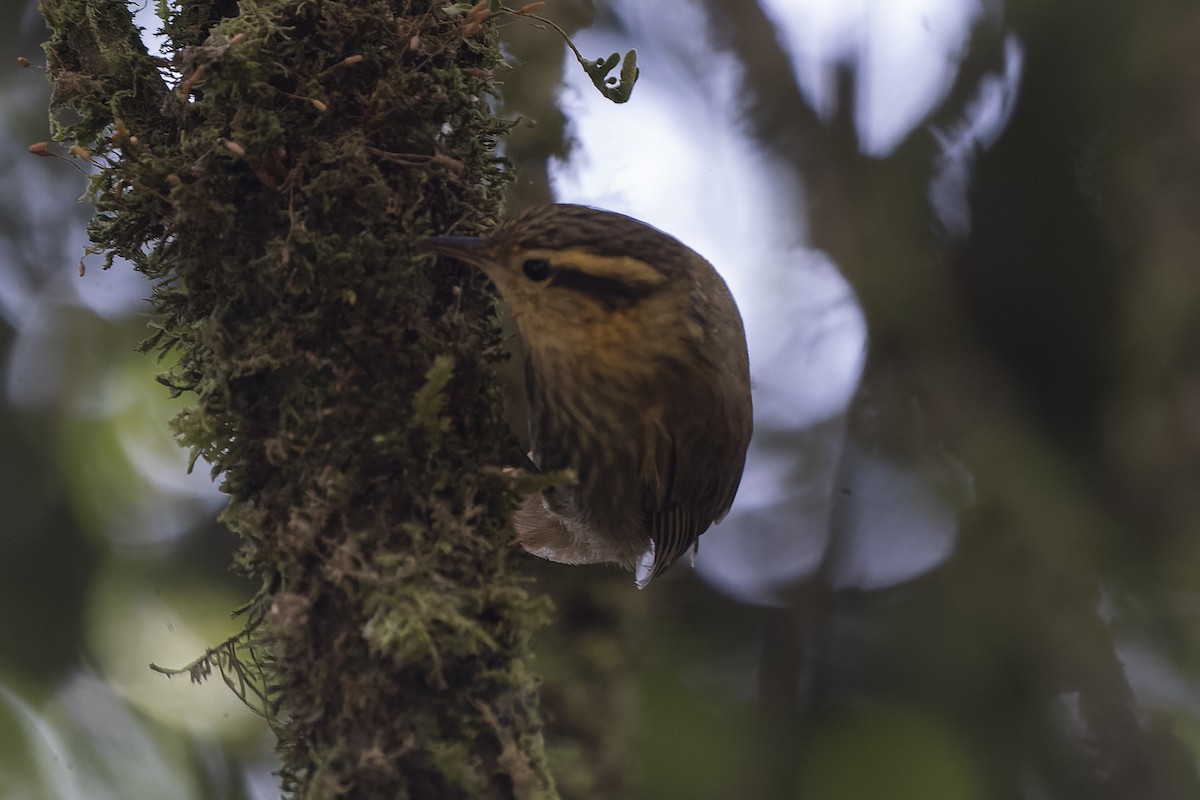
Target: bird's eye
[536,269]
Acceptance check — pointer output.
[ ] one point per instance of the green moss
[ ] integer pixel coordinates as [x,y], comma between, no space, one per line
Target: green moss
[430,400]
[270,182]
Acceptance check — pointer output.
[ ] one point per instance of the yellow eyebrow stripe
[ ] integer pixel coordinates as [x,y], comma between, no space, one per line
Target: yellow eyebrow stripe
[629,271]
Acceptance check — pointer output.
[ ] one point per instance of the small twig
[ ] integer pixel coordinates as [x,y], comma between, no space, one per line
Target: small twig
[616,89]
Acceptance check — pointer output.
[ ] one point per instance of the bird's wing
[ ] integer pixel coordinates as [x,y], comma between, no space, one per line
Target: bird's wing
[691,472]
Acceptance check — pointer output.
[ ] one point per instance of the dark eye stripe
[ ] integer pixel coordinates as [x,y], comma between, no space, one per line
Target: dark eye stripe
[609,290]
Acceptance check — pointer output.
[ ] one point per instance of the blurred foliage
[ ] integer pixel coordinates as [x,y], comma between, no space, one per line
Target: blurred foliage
[1048,352]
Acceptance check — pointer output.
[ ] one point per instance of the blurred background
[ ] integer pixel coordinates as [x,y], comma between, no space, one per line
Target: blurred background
[964,559]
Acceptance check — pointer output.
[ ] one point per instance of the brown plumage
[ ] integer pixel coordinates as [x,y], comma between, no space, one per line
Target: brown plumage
[637,379]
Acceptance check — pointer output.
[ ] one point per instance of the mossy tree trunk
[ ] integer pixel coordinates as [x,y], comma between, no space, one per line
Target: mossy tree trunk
[270,178]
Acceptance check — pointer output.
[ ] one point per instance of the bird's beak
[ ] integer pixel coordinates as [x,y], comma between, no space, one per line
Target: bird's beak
[471,249]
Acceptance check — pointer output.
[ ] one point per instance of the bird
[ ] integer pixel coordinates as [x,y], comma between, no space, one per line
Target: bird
[637,380]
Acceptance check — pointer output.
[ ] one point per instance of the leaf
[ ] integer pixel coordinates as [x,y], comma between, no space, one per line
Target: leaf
[616,89]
